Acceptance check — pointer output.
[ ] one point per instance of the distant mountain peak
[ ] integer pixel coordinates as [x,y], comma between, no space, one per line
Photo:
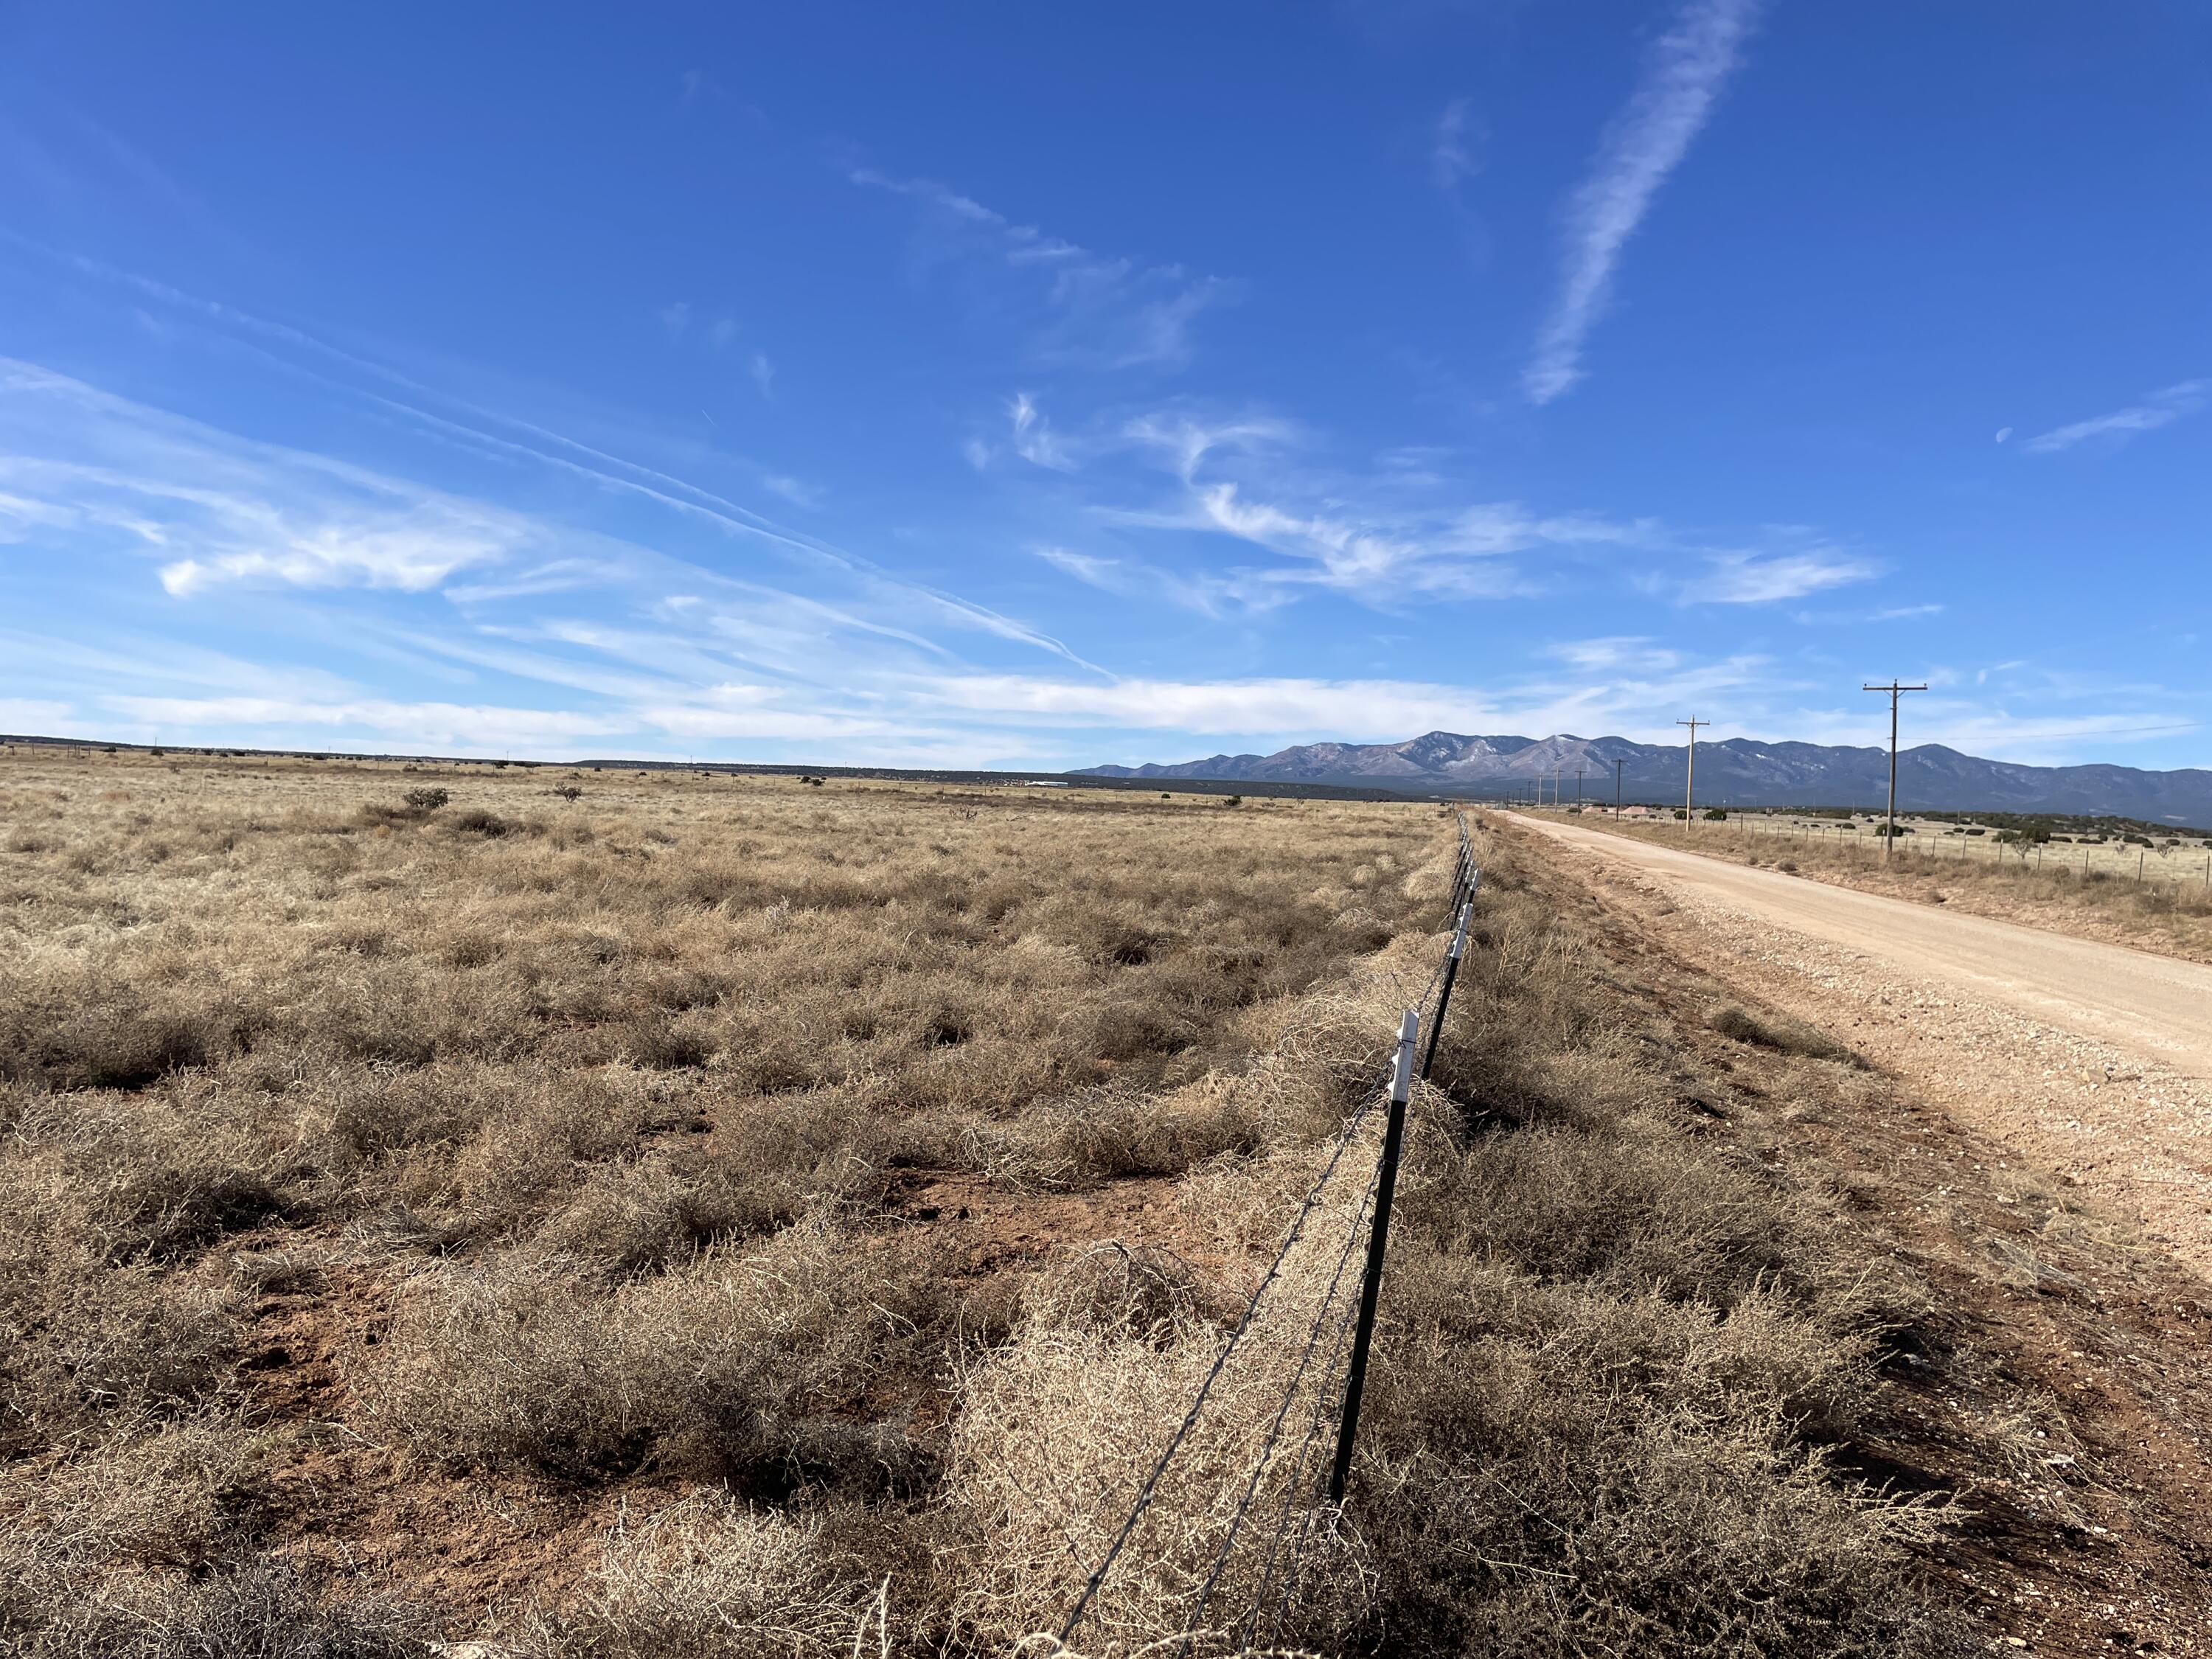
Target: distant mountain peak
[1738,771]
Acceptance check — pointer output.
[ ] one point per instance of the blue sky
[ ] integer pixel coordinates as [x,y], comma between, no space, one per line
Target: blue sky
[1037,386]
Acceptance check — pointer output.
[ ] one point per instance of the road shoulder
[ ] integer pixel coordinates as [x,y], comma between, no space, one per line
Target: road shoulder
[2055,1386]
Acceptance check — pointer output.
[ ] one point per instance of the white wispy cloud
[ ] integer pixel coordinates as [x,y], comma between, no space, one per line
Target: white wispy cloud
[1083,566]
[472,425]
[1352,708]
[43,717]
[1088,310]
[1033,438]
[1207,594]
[123,659]
[88,468]
[1188,439]
[539,609]
[1381,534]
[336,556]
[487,430]
[1385,557]
[1735,578]
[1682,76]
[554,576]
[1972,726]
[797,491]
[1629,654]
[2158,409]
[1391,530]
[1452,147]
[439,725]
[21,516]
[1274,710]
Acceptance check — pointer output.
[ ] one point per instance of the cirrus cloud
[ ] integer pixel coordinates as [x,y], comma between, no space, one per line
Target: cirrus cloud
[2159,409]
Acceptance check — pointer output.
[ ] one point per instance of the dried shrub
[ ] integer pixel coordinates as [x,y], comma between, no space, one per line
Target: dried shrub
[744,1364]
[710,1580]
[83,1033]
[662,1044]
[256,1609]
[1111,1132]
[180,1495]
[1569,1472]
[122,1346]
[1062,1426]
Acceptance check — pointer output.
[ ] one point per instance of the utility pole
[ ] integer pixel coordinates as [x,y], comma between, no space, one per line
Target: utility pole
[1579,789]
[1889,834]
[1617,765]
[1690,781]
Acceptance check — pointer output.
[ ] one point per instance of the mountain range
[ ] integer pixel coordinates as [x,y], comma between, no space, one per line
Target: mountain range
[1736,772]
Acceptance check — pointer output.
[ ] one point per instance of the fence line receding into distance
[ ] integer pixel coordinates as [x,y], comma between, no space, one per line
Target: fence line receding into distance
[1301,1465]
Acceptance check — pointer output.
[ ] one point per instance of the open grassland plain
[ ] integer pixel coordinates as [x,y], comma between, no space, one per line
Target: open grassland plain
[2090,891]
[696,1217]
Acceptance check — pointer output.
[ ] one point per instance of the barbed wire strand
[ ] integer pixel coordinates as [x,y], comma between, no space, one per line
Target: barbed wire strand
[1319,1518]
[1282,1413]
[1220,1360]
[1324,1396]
[1314,1504]
[1462,872]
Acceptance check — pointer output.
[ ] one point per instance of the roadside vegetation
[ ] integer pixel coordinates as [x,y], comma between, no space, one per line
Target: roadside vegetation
[617,1215]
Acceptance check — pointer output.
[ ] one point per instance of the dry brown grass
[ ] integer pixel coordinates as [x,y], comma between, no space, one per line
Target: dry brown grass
[560,1151]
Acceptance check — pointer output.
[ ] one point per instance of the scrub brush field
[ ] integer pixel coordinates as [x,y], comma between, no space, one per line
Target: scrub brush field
[609,1214]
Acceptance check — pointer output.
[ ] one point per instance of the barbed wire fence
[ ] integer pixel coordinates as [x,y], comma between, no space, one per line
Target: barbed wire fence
[1284,1523]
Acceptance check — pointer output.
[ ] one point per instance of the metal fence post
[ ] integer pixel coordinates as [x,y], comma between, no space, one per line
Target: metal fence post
[1378,1241]
[1451,973]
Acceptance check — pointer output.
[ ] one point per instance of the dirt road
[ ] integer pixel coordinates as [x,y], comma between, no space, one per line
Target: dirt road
[2090,1060]
[2156,1006]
